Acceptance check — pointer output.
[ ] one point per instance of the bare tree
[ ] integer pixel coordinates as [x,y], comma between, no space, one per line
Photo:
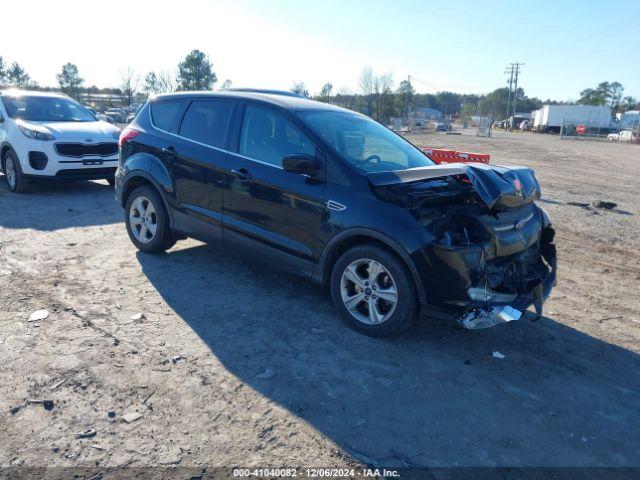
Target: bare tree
[376,98]
[129,84]
[166,81]
[226,84]
[150,83]
[346,98]
[366,85]
[300,88]
[385,101]
[3,70]
[325,92]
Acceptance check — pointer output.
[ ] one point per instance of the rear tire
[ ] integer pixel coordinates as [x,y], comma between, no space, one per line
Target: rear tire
[373,291]
[147,221]
[13,172]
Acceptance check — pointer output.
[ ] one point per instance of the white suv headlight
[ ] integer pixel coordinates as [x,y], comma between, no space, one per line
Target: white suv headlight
[35,134]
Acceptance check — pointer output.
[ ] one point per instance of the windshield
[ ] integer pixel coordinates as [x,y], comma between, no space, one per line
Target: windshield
[365,143]
[46,109]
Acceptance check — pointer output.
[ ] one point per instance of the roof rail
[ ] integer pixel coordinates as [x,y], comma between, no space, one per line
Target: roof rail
[262,90]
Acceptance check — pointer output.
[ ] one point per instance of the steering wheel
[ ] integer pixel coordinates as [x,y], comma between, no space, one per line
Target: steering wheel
[371,158]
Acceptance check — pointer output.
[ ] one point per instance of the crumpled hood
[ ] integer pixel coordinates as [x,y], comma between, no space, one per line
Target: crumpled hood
[95,131]
[495,185]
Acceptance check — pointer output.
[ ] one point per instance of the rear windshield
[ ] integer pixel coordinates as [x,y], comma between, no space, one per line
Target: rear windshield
[46,109]
[365,143]
[164,113]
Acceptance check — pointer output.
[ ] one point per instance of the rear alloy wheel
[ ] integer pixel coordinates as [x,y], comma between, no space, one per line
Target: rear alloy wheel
[373,291]
[147,221]
[15,177]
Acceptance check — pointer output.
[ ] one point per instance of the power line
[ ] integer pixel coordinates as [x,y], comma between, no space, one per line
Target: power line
[435,87]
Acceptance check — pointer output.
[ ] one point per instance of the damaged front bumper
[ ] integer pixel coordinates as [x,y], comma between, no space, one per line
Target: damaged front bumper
[490,308]
[489,250]
[486,290]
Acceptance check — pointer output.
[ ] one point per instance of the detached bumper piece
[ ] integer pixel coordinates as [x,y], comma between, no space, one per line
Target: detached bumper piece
[487,317]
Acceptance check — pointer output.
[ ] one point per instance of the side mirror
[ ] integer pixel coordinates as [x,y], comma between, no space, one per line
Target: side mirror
[302,164]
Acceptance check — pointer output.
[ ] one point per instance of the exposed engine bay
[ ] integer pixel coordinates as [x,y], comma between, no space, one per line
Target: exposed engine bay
[491,244]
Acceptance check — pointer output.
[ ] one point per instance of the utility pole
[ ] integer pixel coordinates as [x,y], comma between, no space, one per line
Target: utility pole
[516,67]
[514,70]
[510,71]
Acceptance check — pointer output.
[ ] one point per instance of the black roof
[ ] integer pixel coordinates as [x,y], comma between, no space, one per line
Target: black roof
[273,97]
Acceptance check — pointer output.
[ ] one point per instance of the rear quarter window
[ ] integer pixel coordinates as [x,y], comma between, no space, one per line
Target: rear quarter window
[164,113]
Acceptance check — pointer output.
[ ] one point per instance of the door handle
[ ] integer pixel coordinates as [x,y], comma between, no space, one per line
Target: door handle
[242,174]
[170,152]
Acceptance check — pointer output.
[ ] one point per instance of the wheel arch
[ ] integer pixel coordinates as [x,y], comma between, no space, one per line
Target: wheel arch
[358,236]
[137,178]
[4,149]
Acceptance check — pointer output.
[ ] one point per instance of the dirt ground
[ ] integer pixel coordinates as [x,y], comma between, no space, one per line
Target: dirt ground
[234,363]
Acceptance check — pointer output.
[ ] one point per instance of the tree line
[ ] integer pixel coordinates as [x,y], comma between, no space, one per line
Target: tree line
[608,94]
[378,96]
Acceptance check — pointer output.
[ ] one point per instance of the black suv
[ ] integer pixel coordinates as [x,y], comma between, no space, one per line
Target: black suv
[338,198]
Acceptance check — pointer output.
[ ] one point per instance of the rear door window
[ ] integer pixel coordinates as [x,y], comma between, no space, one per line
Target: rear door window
[165,113]
[206,121]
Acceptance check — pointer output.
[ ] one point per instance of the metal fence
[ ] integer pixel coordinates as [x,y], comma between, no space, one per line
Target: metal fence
[579,130]
[479,126]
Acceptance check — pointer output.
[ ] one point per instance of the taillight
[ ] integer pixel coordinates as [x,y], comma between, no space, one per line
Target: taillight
[127,135]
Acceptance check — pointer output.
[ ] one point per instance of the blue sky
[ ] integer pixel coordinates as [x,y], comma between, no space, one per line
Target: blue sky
[462,46]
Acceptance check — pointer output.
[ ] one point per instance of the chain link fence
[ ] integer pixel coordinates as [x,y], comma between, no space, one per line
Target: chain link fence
[477,125]
[581,130]
[590,131]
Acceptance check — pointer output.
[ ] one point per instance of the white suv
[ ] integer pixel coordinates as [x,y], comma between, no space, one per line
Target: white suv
[49,136]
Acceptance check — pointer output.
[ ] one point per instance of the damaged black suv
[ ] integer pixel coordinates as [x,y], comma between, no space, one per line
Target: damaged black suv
[338,198]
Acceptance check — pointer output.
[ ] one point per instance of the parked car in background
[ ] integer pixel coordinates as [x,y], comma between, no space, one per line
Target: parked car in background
[134,111]
[117,114]
[49,136]
[613,137]
[338,198]
[625,136]
[99,116]
[104,118]
[443,127]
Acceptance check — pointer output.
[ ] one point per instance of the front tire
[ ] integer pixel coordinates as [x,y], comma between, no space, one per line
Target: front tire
[147,221]
[373,291]
[13,172]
